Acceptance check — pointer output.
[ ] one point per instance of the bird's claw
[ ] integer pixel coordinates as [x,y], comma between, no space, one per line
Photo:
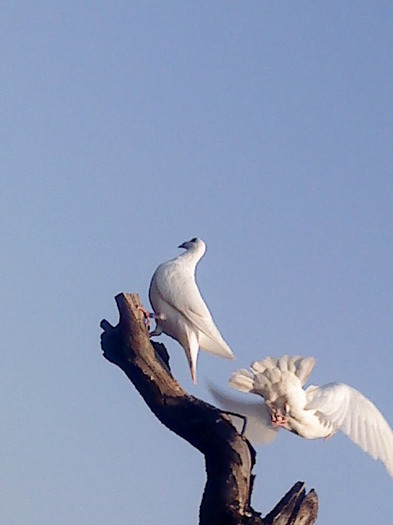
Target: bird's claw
[146,314]
[278,419]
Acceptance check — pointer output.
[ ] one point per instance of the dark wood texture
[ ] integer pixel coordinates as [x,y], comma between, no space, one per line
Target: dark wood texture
[229,457]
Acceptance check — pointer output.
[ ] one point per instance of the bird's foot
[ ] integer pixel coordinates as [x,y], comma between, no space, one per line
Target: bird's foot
[158,329]
[278,419]
[146,314]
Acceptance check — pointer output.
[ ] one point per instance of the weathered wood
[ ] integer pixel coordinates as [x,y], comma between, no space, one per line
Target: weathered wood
[229,457]
[295,508]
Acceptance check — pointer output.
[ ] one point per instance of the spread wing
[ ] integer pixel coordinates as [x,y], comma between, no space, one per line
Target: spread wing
[356,416]
[179,289]
[259,428]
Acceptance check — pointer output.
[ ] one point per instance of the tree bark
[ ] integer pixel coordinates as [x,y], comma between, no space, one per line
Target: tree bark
[229,457]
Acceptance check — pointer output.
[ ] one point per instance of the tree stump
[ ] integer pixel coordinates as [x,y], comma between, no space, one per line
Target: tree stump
[229,457]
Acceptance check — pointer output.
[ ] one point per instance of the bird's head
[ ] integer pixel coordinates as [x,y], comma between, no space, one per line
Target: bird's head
[194,244]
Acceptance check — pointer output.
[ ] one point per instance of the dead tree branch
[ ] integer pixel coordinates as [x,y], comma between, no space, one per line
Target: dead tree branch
[229,457]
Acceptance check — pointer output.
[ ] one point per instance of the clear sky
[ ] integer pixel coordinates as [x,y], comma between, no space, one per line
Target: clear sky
[128,127]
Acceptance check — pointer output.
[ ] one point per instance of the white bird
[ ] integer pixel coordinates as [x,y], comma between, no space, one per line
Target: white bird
[179,309]
[317,412]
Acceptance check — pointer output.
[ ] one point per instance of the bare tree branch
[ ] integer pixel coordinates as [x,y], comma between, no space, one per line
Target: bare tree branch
[229,457]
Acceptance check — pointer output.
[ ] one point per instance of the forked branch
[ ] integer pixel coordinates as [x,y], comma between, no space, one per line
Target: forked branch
[229,457]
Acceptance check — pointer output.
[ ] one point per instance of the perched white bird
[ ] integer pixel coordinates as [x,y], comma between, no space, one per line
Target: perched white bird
[179,309]
[317,412]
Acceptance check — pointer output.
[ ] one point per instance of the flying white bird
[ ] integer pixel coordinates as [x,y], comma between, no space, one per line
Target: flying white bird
[179,309]
[317,412]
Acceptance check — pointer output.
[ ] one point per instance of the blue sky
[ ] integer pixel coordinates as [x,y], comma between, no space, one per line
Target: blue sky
[127,128]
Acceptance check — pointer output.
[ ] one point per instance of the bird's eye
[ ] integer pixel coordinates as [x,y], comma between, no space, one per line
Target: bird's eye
[194,239]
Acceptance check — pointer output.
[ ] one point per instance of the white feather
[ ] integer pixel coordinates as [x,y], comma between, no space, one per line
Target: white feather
[356,416]
[242,380]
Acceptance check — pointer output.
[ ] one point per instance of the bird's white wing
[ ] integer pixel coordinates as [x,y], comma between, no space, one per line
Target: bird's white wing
[180,290]
[259,428]
[356,416]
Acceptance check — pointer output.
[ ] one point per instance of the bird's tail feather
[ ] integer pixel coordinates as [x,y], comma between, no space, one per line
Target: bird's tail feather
[242,380]
[219,348]
[270,371]
[272,367]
